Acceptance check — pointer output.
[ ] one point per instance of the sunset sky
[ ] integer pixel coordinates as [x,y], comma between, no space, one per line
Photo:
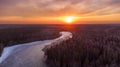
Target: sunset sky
[54,11]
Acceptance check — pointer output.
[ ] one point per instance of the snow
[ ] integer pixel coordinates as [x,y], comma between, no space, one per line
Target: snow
[22,54]
[8,50]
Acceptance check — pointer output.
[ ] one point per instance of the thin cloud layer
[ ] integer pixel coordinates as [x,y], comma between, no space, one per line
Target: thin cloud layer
[43,8]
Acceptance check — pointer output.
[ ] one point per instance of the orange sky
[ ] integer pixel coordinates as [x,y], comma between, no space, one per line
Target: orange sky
[54,11]
[114,18]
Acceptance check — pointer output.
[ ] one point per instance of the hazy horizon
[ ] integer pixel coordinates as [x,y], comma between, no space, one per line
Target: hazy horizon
[55,11]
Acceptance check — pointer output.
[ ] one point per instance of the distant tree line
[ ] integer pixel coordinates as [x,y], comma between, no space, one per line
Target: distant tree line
[26,33]
[92,46]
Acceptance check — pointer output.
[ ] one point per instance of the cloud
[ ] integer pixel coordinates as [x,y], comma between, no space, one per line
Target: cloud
[27,8]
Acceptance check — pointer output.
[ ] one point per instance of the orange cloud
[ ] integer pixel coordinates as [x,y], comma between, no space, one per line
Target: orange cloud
[51,10]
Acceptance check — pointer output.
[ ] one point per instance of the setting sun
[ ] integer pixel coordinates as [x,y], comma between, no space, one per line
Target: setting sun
[69,19]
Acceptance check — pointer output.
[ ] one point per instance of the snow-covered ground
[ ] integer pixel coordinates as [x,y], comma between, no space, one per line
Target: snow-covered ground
[29,54]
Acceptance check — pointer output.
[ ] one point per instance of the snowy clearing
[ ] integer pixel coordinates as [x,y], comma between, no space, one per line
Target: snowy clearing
[29,54]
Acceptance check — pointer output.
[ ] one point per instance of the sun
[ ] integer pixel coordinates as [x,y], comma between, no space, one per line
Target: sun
[69,19]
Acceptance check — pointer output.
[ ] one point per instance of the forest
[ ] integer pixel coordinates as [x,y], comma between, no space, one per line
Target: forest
[91,46]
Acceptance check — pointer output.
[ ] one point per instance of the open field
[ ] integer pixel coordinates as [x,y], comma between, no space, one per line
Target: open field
[30,54]
[91,46]
[17,34]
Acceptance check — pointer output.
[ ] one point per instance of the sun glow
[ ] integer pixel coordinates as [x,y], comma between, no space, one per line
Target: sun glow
[69,19]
